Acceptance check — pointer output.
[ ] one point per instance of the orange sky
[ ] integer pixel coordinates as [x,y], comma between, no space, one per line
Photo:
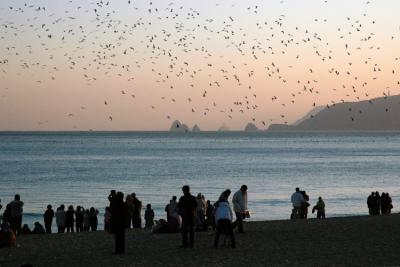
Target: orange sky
[57,70]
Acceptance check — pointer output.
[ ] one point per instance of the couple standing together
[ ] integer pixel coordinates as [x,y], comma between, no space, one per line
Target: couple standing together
[223,214]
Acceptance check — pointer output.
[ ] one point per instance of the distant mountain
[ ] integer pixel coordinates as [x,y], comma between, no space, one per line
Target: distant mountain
[251,127]
[196,128]
[312,112]
[178,127]
[379,114]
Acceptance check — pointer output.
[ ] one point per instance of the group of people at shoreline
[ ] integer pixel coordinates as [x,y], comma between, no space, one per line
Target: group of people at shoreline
[186,215]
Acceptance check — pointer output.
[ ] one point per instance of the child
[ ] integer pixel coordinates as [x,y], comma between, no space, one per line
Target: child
[107,220]
[149,216]
[320,208]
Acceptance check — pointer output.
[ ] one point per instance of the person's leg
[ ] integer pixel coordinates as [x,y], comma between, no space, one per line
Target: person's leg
[191,239]
[184,234]
[217,234]
[229,230]
[239,221]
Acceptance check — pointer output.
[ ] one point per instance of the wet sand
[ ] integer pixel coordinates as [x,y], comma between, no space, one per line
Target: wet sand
[350,241]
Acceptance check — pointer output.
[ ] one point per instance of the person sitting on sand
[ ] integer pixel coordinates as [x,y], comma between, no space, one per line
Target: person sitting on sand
[320,208]
[223,218]
[86,221]
[119,213]
[187,209]
[93,219]
[79,219]
[107,220]
[48,218]
[239,201]
[69,221]
[16,214]
[7,236]
[297,201]
[149,216]
[25,230]
[38,229]
[61,218]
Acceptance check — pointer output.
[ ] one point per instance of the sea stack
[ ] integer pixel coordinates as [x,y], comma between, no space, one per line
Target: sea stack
[251,127]
[178,127]
[196,128]
[223,128]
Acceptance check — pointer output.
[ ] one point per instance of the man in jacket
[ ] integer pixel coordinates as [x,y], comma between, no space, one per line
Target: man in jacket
[239,202]
[187,209]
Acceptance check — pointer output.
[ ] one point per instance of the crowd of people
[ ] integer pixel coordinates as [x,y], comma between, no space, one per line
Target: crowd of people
[186,215]
[379,204]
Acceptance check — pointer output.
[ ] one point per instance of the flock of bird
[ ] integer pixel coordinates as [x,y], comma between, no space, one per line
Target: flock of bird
[231,61]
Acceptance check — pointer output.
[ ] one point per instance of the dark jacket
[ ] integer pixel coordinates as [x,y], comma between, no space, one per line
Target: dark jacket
[187,206]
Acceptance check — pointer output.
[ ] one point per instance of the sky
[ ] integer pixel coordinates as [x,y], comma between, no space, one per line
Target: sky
[140,65]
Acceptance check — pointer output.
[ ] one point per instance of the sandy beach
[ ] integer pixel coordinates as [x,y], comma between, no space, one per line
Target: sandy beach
[350,241]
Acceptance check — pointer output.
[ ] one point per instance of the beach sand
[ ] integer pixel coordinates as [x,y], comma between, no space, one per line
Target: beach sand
[350,241]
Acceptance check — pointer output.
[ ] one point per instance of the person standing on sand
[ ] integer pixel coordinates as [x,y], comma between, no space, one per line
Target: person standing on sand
[131,209]
[304,205]
[119,212]
[61,218]
[187,209]
[137,212]
[223,218]
[69,222]
[86,220]
[297,201]
[16,214]
[370,203]
[239,202]
[149,216]
[79,219]
[48,218]
[320,208]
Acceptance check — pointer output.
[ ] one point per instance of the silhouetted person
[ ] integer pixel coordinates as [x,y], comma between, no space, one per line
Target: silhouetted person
[48,218]
[149,216]
[223,218]
[187,208]
[172,210]
[239,201]
[69,222]
[61,218]
[131,209]
[7,214]
[86,221]
[25,230]
[38,229]
[93,219]
[137,218]
[370,203]
[320,208]
[7,236]
[210,214]
[16,214]
[377,203]
[111,196]
[297,199]
[390,204]
[118,222]
[304,205]
[107,219]
[79,213]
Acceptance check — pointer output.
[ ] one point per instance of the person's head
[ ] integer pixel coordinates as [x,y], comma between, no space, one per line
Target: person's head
[297,189]
[174,198]
[208,202]
[133,195]
[49,207]
[37,224]
[17,197]
[319,198]
[148,206]
[70,207]
[113,192]
[243,188]
[186,189]
[199,195]
[78,208]
[119,197]
[108,209]
[92,210]
[62,207]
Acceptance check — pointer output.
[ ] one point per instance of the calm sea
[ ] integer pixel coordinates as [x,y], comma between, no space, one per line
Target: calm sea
[81,168]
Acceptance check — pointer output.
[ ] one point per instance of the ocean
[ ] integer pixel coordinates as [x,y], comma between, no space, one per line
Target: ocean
[80,168]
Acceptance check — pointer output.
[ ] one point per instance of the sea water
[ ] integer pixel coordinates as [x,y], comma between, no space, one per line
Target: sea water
[80,168]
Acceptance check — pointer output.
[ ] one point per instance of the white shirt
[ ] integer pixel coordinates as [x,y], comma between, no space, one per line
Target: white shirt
[297,199]
[223,211]
[239,202]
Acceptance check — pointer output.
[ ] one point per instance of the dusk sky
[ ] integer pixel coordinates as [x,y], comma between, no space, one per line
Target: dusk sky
[139,65]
